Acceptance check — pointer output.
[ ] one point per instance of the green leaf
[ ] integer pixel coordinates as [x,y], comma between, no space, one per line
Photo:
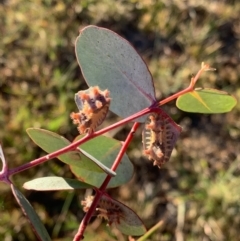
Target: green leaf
[127,221]
[30,213]
[110,62]
[208,101]
[105,149]
[50,142]
[54,183]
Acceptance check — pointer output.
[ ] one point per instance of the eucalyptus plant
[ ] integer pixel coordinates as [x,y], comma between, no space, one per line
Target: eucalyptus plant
[120,81]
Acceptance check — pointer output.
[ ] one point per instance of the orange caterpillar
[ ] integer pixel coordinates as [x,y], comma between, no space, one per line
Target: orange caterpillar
[159,138]
[93,105]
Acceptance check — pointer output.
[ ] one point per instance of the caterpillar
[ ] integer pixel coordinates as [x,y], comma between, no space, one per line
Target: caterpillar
[159,137]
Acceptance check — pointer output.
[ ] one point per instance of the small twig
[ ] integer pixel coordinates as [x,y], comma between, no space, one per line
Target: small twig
[204,67]
[180,221]
[152,230]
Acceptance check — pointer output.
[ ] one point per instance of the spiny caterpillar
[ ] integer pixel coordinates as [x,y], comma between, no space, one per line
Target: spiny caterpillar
[159,138]
[107,208]
[93,105]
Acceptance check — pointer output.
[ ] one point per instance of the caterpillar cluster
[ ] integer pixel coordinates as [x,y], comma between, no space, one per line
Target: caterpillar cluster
[93,105]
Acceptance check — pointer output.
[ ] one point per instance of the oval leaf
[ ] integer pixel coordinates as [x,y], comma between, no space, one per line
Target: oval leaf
[50,142]
[207,101]
[124,218]
[105,149]
[54,184]
[30,213]
[110,62]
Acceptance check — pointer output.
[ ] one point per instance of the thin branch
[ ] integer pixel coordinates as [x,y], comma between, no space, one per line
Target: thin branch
[204,67]
[157,227]
[79,236]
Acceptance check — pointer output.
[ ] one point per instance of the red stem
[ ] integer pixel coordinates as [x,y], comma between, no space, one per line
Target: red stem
[120,155]
[74,145]
[87,217]
[99,192]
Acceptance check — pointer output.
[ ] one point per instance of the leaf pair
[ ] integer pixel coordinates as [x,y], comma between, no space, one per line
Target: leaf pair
[90,169]
[90,175]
